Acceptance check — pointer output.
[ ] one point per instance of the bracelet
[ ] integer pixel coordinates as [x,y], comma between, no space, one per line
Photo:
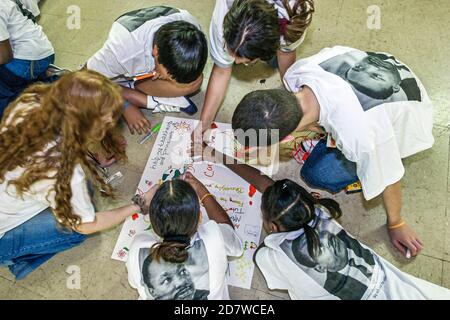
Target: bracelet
[206,196]
[398,225]
[140,202]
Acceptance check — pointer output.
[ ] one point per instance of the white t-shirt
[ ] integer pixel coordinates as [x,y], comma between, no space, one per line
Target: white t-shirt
[27,39]
[128,49]
[375,108]
[203,275]
[345,269]
[15,210]
[219,52]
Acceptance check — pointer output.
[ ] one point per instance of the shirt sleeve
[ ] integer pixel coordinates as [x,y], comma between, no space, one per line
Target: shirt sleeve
[81,200]
[4,34]
[379,168]
[219,53]
[133,264]
[232,241]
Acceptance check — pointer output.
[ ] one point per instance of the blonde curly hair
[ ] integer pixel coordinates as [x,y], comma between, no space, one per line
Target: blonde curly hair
[48,140]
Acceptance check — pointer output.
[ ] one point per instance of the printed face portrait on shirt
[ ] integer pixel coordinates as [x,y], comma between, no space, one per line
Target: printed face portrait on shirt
[179,281]
[134,19]
[375,78]
[342,266]
[332,256]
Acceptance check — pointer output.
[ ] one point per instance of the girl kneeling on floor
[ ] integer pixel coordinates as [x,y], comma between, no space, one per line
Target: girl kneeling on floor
[182,258]
[309,254]
[45,141]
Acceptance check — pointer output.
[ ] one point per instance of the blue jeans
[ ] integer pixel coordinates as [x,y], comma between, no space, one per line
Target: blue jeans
[26,247]
[327,168]
[18,74]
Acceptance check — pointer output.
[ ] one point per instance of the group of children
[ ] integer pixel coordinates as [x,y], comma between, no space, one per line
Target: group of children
[371,106]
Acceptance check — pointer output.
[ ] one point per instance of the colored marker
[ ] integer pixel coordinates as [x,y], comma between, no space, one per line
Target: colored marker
[154,130]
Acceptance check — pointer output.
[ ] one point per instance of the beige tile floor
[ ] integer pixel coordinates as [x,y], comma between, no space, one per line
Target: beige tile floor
[416,31]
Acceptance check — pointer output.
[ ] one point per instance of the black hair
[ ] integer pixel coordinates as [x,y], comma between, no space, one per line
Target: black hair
[251,29]
[274,109]
[174,215]
[288,205]
[182,50]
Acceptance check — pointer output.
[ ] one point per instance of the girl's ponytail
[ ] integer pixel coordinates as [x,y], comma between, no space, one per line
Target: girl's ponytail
[174,214]
[300,17]
[172,249]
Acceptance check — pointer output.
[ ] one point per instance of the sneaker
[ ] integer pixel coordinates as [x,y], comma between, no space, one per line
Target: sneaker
[353,188]
[179,104]
[54,70]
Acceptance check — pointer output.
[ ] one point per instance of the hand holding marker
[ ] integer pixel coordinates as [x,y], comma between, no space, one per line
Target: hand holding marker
[154,130]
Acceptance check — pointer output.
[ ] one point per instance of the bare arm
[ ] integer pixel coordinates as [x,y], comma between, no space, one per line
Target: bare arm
[403,238]
[168,89]
[250,174]
[392,198]
[6,54]
[285,61]
[213,208]
[108,219]
[215,93]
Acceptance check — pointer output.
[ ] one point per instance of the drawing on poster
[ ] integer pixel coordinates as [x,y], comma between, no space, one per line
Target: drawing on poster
[169,159]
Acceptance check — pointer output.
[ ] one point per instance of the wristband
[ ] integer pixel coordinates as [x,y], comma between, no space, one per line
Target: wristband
[206,196]
[140,202]
[126,105]
[398,225]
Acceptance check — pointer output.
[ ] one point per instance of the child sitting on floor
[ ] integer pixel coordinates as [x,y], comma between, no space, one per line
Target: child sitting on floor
[155,53]
[182,259]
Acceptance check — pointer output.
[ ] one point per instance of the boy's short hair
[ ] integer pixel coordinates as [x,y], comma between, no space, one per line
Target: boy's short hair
[251,29]
[274,109]
[182,50]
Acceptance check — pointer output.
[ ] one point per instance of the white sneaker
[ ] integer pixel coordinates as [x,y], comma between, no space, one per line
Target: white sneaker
[178,104]
[163,108]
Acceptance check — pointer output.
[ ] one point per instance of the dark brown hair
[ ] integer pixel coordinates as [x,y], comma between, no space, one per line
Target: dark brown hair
[174,215]
[300,17]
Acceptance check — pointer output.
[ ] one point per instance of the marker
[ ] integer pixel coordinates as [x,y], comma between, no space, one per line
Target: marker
[135,78]
[154,130]
[145,76]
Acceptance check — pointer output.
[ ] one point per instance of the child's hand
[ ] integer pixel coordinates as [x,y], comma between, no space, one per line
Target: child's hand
[199,187]
[136,121]
[404,239]
[203,152]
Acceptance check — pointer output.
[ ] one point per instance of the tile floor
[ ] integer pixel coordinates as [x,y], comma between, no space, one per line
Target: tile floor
[420,40]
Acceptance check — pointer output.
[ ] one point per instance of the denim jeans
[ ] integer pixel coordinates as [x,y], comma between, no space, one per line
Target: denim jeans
[26,247]
[327,168]
[18,74]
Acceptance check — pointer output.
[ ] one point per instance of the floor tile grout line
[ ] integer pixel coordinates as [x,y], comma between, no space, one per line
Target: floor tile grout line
[4,278]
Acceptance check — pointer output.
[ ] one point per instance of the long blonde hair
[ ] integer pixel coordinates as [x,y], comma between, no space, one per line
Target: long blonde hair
[69,116]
